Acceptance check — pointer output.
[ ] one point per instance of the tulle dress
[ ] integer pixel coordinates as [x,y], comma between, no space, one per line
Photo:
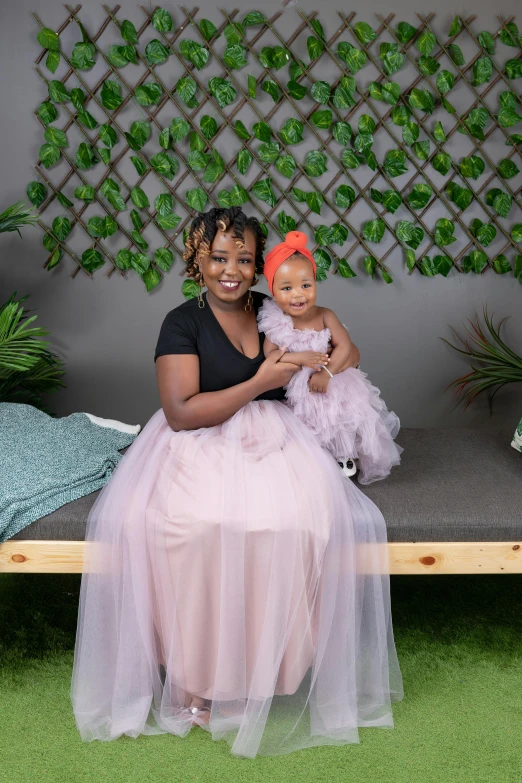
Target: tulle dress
[350,419]
[236,563]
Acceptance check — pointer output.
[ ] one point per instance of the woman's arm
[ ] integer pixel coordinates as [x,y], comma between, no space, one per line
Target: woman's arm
[186,408]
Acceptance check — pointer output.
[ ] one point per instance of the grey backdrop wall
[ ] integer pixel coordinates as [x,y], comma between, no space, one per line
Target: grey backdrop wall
[106,328]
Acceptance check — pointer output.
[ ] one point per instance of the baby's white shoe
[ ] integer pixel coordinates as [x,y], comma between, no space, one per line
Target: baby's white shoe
[347,465]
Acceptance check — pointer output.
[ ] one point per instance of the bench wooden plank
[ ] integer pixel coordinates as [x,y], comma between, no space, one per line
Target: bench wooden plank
[446,557]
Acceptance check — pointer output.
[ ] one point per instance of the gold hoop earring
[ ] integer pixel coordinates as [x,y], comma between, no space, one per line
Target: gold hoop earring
[201,301]
[250,302]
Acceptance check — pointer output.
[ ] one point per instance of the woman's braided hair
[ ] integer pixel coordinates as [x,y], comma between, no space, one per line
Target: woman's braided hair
[204,228]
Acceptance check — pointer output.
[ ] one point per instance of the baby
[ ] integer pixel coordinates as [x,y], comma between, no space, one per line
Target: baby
[337,402]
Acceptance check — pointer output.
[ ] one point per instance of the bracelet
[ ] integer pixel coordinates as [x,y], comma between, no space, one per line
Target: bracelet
[327,370]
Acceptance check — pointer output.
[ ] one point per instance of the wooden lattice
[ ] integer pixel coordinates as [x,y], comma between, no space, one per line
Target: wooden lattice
[403,86]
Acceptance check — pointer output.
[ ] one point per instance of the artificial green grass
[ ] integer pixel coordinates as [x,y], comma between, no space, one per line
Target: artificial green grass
[459,641]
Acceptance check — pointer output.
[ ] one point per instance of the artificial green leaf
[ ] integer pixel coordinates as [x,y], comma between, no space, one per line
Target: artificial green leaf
[392,200]
[513,69]
[163,204]
[234,57]
[343,98]
[342,132]
[428,65]
[139,198]
[138,240]
[500,201]
[315,47]
[321,92]
[507,169]
[508,99]
[196,160]
[509,34]
[47,112]
[242,131]
[286,222]
[215,168]
[164,138]
[373,230]
[36,193]
[455,53]
[354,58]
[161,163]
[410,258]
[456,27]
[238,196]
[370,265]
[339,234]
[410,132]
[252,86]
[110,95]
[268,152]
[82,56]
[419,196]
[266,57]
[196,199]
[363,142]
[441,162]
[137,222]
[344,269]
[322,259]
[314,201]
[85,193]
[508,117]
[61,227]
[57,91]
[516,233]
[400,115]
[194,52]
[128,32]
[105,155]
[151,278]
[168,222]
[366,124]
[318,28]
[421,99]
[208,126]
[280,57]
[476,261]
[292,131]
[365,34]
[444,230]
[48,39]
[484,232]
[140,263]
[262,131]
[391,92]
[322,118]
[190,289]
[179,128]
[421,149]
[445,81]
[408,233]
[244,159]
[49,242]
[462,197]
[296,90]
[49,154]
[108,135]
[426,42]
[52,61]
[482,71]
[162,21]
[395,163]
[350,159]
[186,89]
[514,139]
[222,90]
[96,227]
[501,265]
[164,258]
[116,200]
[117,56]
[323,235]
[438,133]
[443,265]
[234,33]
[315,163]
[487,42]
[253,18]
[207,29]
[92,260]
[298,194]
[270,86]
[148,94]
[263,190]
[472,167]
[297,69]
[139,165]
[87,119]
[392,59]
[344,196]
[405,32]
[77,97]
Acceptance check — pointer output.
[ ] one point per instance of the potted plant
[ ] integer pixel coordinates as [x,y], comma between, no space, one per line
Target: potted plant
[499,365]
[28,369]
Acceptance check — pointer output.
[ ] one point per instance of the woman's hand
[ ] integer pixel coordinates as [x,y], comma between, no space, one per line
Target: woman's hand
[272,374]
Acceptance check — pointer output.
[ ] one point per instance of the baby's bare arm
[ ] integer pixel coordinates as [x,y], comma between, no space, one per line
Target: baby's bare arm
[341,356]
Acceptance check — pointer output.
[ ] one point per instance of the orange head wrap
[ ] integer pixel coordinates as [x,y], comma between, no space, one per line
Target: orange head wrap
[295,242]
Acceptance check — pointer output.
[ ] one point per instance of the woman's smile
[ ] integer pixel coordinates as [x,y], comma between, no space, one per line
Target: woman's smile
[230,285]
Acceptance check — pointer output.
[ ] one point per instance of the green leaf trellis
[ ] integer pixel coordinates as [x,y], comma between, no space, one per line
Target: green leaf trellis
[218,111]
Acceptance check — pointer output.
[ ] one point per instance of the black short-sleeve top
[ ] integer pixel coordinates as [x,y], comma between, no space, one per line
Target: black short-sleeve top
[189,329]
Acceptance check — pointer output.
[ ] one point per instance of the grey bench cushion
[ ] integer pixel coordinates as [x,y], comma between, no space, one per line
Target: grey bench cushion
[452,485]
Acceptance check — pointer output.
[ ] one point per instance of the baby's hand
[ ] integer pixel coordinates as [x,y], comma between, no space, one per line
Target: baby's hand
[314,358]
[319,382]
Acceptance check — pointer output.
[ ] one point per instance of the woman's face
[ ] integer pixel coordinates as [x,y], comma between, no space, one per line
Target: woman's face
[294,286]
[228,271]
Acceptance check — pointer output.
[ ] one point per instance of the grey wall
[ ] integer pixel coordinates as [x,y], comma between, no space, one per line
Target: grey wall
[106,328]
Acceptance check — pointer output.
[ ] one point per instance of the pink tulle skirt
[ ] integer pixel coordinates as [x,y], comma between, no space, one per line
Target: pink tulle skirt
[235,563]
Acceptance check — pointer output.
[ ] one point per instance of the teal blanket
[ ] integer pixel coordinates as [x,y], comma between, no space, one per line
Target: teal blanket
[47,462]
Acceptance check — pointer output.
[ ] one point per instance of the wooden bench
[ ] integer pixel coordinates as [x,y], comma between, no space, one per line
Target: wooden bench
[453,506]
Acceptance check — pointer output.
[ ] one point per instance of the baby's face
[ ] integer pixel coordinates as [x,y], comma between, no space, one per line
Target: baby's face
[294,286]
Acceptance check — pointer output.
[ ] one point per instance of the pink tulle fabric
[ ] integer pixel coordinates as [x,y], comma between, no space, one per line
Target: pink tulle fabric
[351,419]
[235,563]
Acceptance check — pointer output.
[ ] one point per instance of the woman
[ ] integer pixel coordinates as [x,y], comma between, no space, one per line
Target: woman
[234,579]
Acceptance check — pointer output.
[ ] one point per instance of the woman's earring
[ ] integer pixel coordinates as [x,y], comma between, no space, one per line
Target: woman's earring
[250,301]
[201,301]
